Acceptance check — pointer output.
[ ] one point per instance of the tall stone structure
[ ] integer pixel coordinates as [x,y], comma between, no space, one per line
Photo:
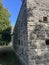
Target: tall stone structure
[31,33]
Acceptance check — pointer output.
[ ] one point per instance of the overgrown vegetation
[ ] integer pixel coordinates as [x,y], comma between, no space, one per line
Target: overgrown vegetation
[5,26]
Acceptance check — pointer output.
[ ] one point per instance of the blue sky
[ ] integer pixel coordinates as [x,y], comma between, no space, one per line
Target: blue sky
[14,8]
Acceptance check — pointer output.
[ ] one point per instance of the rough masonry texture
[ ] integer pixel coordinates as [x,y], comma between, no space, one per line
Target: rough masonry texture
[31,33]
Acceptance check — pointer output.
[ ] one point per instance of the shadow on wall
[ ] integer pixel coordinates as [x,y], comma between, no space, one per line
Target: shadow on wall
[20,41]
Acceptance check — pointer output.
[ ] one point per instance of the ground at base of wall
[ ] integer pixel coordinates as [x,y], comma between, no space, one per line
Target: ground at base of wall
[9,58]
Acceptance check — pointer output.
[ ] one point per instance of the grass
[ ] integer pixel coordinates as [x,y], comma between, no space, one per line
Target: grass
[9,58]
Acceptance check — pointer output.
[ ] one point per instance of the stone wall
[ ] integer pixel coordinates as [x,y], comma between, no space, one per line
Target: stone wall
[31,33]
[20,35]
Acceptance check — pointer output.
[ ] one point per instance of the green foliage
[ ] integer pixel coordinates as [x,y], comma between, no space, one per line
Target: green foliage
[6,36]
[5,26]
